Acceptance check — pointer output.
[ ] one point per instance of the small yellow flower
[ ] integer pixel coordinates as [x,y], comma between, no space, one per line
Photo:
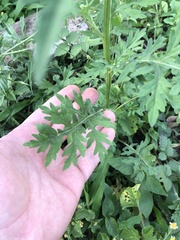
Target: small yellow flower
[173,225]
[95,223]
[80,223]
[79,206]
[172,238]
[65,235]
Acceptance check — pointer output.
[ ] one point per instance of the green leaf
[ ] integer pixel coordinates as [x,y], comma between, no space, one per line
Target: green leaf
[144,150]
[76,48]
[107,207]
[146,3]
[165,146]
[99,138]
[97,190]
[130,197]
[52,17]
[173,47]
[145,202]
[75,122]
[147,233]
[162,156]
[72,37]
[151,184]
[123,164]
[152,47]
[128,125]
[162,173]
[61,49]
[46,138]
[103,236]
[9,112]
[155,100]
[130,234]
[160,220]
[21,3]
[84,214]
[53,150]
[77,143]
[130,222]
[111,226]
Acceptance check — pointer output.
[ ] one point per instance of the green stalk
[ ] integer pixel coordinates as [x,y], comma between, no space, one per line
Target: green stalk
[107,45]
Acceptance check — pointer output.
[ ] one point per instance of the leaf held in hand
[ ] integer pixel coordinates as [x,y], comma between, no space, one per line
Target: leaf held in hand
[76,122]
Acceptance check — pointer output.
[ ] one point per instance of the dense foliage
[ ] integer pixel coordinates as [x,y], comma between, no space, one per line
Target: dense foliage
[134,192]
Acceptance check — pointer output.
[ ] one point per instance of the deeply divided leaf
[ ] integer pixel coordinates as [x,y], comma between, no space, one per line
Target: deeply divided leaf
[79,126]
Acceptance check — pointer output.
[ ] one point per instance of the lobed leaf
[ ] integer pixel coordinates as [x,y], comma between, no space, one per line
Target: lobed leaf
[75,122]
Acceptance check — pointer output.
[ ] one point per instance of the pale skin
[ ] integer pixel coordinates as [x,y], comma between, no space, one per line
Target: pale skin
[38,202]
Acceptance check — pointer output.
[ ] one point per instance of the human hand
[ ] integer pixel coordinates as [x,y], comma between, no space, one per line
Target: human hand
[37,202]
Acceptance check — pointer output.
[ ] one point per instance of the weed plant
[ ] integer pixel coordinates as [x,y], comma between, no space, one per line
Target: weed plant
[130,54]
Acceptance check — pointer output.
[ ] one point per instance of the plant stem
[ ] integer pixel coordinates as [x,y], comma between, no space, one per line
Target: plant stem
[167,235]
[122,105]
[91,23]
[18,44]
[106,45]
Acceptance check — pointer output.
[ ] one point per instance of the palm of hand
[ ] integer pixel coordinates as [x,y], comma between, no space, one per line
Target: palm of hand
[38,202]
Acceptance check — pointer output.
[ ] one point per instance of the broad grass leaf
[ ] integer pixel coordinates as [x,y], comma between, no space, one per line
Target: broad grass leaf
[51,19]
[22,3]
[35,6]
[160,219]
[9,112]
[97,190]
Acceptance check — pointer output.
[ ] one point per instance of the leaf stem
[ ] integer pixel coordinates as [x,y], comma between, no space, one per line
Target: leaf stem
[136,152]
[126,103]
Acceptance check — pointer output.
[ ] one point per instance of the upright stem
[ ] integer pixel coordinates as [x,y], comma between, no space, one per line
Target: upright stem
[106,45]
